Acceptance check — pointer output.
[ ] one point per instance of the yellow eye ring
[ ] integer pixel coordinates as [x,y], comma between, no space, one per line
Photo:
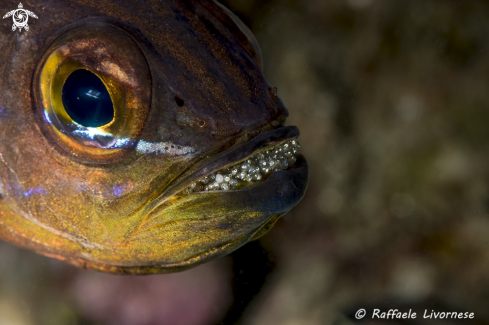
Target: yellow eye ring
[95,47]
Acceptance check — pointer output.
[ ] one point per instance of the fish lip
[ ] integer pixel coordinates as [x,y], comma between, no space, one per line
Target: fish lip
[279,193]
[230,157]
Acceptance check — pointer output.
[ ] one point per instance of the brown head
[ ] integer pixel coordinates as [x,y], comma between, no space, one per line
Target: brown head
[139,137]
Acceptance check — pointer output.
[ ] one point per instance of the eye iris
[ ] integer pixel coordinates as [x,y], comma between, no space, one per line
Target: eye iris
[86,99]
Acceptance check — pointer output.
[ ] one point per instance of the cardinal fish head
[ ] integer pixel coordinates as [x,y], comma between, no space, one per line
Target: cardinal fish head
[140,138]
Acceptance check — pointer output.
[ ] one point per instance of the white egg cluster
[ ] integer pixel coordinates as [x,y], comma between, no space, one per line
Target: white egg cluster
[255,168]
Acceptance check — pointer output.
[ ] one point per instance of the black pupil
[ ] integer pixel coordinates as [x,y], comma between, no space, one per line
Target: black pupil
[86,100]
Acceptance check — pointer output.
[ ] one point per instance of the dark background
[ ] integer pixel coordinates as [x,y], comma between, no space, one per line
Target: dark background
[391,98]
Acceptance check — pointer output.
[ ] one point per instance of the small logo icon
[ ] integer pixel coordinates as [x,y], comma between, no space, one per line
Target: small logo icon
[360,313]
[20,17]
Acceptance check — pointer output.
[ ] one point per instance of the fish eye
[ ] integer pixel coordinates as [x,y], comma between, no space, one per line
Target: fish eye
[92,98]
[86,99]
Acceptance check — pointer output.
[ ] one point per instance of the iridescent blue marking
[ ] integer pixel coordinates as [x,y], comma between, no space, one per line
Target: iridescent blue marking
[119,189]
[35,191]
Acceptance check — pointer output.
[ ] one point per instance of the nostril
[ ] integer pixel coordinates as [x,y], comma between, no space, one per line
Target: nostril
[179,101]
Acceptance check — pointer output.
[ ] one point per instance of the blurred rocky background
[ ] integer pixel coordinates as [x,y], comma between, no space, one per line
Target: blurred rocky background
[392,100]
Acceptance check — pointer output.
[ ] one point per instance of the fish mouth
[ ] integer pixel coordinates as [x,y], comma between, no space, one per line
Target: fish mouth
[254,169]
[249,165]
[263,174]
[192,226]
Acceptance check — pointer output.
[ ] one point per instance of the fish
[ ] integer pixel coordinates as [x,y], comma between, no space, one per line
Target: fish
[140,137]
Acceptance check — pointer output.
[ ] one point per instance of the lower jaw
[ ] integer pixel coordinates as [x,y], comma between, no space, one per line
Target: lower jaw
[265,199]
